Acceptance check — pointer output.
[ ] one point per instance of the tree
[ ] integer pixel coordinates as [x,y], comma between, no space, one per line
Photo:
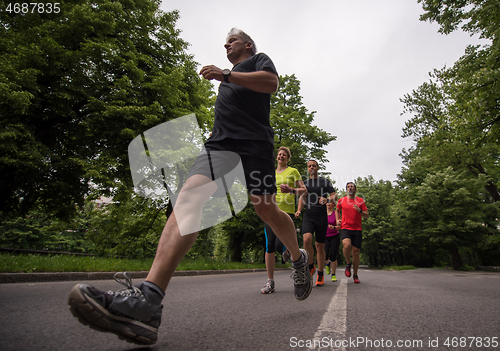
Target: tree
[455,124]
[447,211]
[458,111]
[476,16]
[293,126]
[76,87]
[449,131]
[128,226]
[381,244]
[38,231]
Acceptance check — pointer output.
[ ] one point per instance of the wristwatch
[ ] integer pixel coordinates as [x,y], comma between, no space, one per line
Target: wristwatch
[226,73]
[293,191]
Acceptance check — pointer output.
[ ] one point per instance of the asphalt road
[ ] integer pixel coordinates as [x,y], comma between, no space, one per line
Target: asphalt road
[424,309]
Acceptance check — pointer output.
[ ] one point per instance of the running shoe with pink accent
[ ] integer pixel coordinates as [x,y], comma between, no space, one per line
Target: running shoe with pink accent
[348,270]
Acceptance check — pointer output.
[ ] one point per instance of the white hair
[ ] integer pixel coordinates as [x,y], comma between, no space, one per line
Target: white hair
[246,38]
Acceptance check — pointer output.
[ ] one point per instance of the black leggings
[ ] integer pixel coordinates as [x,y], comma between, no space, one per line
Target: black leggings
[332,244]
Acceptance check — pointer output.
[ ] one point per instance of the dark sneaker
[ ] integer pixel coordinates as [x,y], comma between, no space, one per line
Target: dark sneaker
[269,288]
[302,278]
[125,313]
[348,270]
[356,279]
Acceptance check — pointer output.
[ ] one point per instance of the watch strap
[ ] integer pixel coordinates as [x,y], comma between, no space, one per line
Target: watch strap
[226,73]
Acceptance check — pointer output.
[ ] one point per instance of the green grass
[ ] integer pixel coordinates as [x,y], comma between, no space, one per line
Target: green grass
[10,263]
[209,265]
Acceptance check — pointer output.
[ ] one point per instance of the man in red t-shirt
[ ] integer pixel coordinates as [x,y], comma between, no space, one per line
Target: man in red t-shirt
[353,208]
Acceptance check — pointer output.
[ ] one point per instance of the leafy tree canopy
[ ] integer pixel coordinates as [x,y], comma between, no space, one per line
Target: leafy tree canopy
[293,126]
[76,87]
[476,16]
[456,115]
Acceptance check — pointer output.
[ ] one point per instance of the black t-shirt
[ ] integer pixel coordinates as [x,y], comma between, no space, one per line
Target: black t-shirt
[316,188]
[241,113]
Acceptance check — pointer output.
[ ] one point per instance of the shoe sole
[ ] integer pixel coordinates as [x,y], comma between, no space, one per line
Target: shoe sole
[309,277]
[93,315]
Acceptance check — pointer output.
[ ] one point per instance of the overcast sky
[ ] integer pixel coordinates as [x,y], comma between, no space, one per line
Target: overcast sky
[355,60]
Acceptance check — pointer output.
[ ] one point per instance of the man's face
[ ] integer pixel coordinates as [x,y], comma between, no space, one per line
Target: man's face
[351,189]
[235,46]
[312,168]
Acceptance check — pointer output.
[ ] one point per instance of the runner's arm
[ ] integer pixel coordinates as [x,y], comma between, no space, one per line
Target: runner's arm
[258,81]
[300,207]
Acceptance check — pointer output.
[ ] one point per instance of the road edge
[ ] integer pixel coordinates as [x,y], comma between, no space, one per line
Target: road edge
[6,278]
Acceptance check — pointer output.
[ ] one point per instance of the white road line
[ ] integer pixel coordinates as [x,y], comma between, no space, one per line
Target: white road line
[334,323]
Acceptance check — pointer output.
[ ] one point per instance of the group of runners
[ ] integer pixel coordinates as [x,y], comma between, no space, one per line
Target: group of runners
[325,221]
[242,128]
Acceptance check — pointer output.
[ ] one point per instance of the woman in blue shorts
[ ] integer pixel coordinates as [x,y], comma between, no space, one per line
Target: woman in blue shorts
[288,184]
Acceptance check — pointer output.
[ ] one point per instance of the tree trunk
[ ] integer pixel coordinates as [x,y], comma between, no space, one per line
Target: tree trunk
[401,258]
[456,260]
[490,186]
[237,251]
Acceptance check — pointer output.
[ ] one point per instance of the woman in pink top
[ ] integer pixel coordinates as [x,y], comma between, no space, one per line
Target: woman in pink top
[332,241]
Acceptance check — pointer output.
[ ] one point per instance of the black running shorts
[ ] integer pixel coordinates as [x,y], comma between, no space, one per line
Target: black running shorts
[317,224]
[354,235]
[257,159]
